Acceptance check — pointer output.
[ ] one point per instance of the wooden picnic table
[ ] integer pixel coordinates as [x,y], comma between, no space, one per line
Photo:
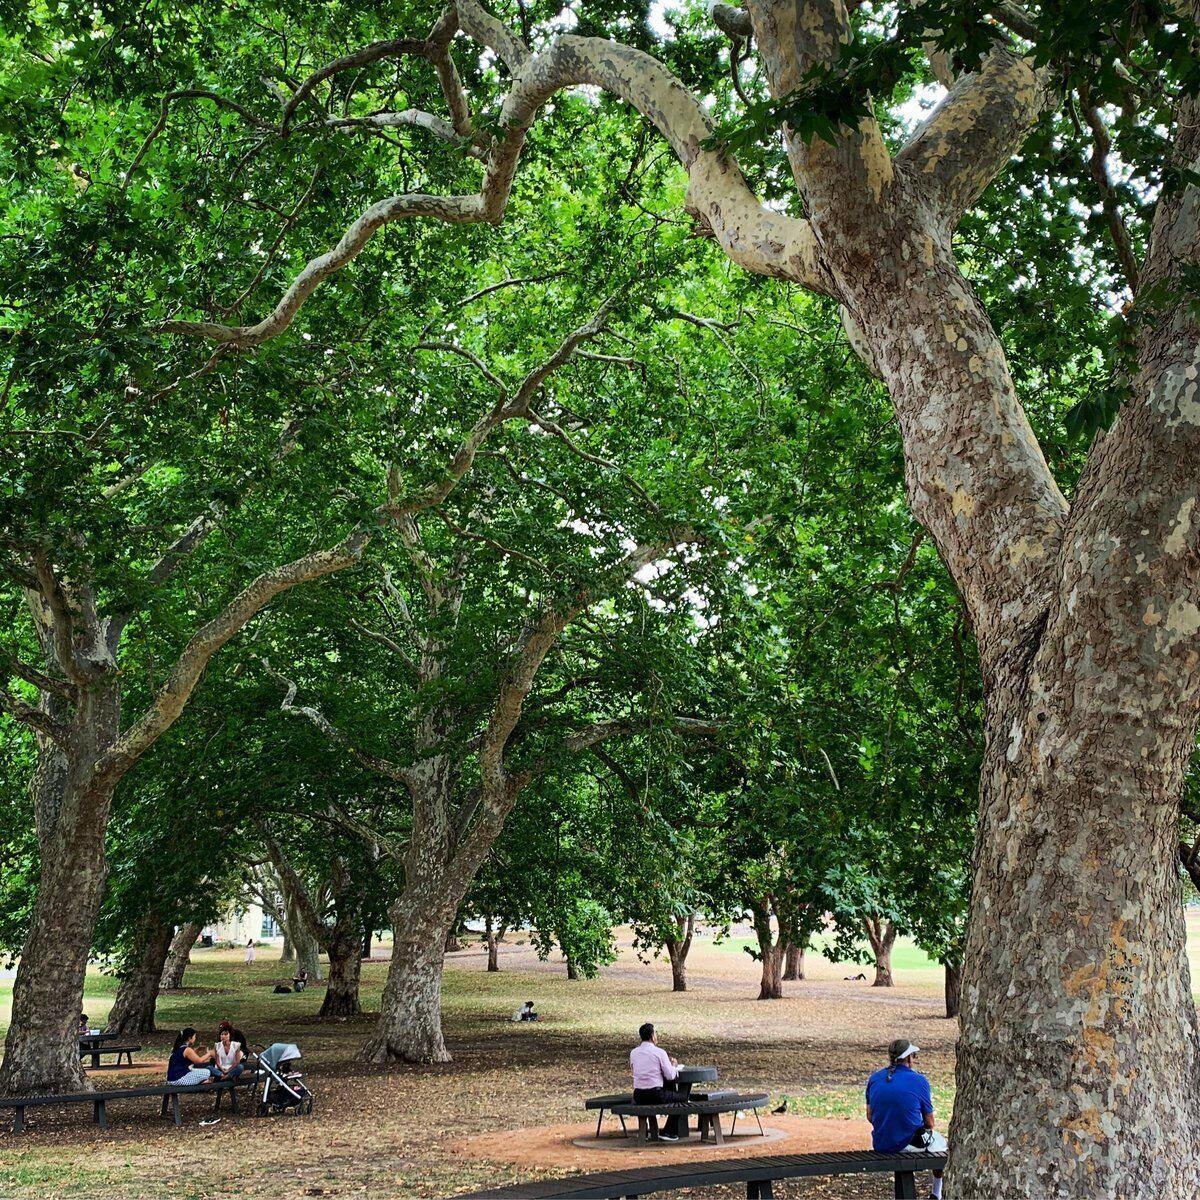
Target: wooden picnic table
[90,1043]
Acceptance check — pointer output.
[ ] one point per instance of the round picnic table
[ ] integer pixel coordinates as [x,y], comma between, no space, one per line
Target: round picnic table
[683,1083]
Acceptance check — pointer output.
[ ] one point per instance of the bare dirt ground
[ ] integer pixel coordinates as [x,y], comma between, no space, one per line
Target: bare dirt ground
[509,1106]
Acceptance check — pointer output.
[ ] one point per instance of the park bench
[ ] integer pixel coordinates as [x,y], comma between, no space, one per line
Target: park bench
[707,1109]
[128,1049]
[170,1093]
[601,1104]
[758,1173]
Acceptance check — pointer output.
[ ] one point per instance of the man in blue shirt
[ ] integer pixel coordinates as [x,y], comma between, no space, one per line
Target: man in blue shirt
[900,1108]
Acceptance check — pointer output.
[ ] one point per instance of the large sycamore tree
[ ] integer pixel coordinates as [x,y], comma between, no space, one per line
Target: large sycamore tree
[1077,1061]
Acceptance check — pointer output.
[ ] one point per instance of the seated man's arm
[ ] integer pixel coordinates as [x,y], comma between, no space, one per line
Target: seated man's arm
[669,1069]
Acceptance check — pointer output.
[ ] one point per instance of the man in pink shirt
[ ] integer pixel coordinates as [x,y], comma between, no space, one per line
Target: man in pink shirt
[653,1068]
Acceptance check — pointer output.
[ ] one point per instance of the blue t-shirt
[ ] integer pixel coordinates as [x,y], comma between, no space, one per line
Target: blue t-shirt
[898,1107]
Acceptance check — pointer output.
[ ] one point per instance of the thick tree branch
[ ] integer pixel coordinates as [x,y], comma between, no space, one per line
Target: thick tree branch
[205,642]
[37,720]
[753,236]
[972,135]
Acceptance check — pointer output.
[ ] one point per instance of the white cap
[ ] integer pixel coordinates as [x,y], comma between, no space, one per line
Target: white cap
[911,1050]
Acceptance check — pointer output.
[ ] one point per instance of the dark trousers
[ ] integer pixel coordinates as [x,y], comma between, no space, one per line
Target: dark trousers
[660,1095]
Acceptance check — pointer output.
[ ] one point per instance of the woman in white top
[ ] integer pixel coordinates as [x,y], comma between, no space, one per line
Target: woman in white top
[227,1057]
[250,951]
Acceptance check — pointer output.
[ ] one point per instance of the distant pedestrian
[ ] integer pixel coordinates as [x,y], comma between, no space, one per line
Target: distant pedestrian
[249,951]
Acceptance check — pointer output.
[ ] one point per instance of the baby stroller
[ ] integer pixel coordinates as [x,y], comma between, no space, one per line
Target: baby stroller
[283,1084]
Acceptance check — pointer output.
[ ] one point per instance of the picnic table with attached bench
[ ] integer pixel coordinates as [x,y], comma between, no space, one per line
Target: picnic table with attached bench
[95,1050]
[707,1108]
[758,1173]
[170,1093]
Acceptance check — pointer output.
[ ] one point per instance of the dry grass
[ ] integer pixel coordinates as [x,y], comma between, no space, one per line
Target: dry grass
[400,1132]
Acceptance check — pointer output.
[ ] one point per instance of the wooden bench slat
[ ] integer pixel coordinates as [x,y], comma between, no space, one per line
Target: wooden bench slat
[760,1168]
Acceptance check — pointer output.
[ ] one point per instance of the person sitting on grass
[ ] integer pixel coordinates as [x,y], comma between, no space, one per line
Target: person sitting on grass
[900,1109]
[525,1012]
[187,1065]
[228,1056]
[300,980]
[653,1068]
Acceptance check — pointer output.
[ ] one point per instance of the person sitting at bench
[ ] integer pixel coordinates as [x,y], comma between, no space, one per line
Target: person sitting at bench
[653,1068]
[900,1109]
[236,1035]
[525,1012]
[187,1065]
[83,1029]
[228,1056]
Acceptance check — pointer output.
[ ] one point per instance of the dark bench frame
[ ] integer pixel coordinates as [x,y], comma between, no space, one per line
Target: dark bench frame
[126,1048]
[709,1112]
[757,1172]
[602,1104]
[170,1093]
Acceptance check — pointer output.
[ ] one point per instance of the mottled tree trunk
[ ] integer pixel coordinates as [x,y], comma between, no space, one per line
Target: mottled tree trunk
[882,936]
[341,991]
[793,963]
[137,995]
[453,945]
[180,955]
[953,988]
[410,1016]
[287,953]
[41,1049]
[677,950]
[572,970]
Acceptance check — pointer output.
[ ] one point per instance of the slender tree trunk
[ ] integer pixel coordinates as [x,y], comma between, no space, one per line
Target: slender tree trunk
[180,955]
[677,950]
[953,988]
[771,986]
[770,952]
[288,953]
[137,996]
[453,945]
[41,1049]
[307,948]
[341,991]
[572,970]
[882,936]
[366,944]
[793,965]
[494,935]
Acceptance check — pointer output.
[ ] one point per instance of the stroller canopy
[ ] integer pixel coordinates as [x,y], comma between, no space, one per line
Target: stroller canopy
[278,1053]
